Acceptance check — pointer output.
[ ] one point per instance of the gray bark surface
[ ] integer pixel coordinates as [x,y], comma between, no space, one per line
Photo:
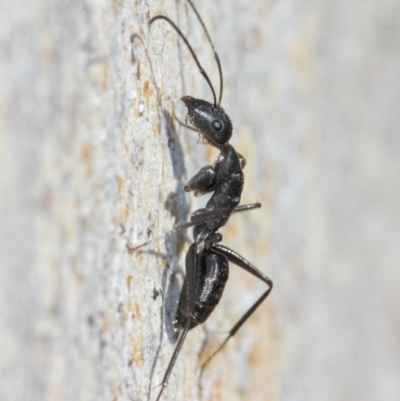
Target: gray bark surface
[93,162]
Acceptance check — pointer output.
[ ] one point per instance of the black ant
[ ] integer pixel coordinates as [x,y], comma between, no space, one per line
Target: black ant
[207,270]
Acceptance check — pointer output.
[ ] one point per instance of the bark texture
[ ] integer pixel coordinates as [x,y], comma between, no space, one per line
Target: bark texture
[92,162]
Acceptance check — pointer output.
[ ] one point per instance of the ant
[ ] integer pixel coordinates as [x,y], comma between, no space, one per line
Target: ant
[207,270]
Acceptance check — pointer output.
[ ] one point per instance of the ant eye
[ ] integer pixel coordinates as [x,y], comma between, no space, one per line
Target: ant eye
[216,125]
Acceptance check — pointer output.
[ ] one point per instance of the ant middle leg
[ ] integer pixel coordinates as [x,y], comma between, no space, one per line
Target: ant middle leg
[199,217]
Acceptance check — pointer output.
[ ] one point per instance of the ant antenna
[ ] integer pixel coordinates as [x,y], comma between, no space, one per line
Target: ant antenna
[190,49]
[221,81]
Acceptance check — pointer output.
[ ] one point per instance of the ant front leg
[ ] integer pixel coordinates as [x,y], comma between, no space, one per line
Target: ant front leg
[246,265]
[202,182]
[205,180]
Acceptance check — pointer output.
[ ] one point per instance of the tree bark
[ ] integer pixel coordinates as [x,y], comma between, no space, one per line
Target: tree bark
[94,162]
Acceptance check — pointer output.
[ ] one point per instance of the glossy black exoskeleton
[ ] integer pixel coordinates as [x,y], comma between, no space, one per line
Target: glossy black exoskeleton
[207,269]
[212,275]
[207,272]
[225,178]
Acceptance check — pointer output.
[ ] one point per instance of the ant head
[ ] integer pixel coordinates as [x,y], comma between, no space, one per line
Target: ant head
[209,119]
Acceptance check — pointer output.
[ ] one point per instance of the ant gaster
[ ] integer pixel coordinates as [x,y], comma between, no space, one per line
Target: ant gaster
[207,270]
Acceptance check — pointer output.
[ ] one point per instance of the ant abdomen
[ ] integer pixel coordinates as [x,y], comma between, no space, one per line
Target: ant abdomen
[210,283]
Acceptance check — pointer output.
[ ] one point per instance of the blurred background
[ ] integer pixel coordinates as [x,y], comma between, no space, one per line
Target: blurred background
[92,161]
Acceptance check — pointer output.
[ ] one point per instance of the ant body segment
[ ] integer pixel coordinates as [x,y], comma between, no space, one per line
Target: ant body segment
[207,268]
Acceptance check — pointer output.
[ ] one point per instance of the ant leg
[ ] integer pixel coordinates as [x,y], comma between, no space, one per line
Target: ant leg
[245,208]
[197,218]
[246,265]
[202,182]
[181,123]
[192,266]
[201,217]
